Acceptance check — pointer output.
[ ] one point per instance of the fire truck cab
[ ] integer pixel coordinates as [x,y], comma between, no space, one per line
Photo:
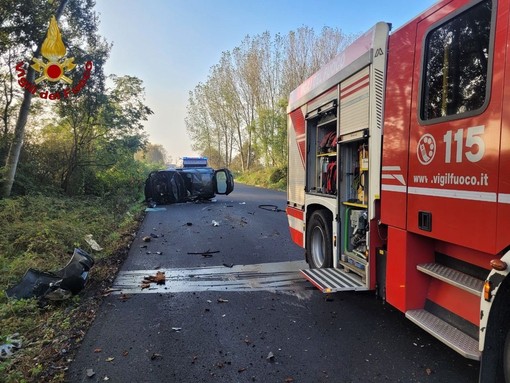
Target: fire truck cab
[398,181]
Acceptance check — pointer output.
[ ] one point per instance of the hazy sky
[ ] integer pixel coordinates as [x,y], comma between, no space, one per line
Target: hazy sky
[171,44]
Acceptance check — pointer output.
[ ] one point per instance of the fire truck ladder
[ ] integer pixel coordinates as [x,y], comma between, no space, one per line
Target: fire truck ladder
[445,332]
[331,280]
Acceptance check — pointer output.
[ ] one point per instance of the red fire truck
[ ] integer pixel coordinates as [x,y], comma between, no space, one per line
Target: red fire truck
[399,174]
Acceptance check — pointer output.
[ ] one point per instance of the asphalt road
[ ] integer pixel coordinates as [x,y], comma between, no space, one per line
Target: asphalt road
[234,308]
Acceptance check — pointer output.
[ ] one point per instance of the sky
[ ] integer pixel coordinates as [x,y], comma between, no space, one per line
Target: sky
[172,44]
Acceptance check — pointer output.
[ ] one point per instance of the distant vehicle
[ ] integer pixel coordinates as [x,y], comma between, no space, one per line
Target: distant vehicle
[194,181]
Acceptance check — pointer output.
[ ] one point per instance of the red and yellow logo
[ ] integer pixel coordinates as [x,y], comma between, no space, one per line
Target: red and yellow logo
[53,49]
[53,67]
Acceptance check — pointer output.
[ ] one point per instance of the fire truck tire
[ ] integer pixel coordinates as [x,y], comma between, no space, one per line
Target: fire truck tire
[318,240]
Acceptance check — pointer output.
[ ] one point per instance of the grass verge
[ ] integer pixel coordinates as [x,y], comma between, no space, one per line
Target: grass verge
[41,232]
[270,178]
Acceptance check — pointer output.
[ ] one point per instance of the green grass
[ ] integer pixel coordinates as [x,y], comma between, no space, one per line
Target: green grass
[270,178]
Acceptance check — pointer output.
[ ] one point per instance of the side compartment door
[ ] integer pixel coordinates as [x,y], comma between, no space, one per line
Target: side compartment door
[455,124]
[223,181]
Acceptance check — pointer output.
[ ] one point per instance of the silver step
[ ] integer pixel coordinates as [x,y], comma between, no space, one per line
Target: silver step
[331,280]
[446,333]
[453,277]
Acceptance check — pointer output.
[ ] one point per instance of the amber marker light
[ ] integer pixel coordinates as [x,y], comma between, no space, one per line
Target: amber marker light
[498,264]
[487,291]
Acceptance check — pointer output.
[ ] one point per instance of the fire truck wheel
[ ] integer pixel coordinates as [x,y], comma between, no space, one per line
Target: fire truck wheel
[318,240]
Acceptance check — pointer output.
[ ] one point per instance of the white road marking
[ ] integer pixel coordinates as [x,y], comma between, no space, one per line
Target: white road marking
[275,276]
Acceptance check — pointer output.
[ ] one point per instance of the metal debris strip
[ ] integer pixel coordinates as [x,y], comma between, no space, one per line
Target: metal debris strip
[274,276]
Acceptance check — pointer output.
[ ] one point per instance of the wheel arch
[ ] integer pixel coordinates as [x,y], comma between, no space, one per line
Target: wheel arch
[312,208]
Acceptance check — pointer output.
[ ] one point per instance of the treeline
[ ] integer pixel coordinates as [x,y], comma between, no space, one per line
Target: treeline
[237,117]
[79,138]
[90,139]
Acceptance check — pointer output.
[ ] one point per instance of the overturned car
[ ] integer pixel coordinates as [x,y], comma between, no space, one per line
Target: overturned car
[188,183]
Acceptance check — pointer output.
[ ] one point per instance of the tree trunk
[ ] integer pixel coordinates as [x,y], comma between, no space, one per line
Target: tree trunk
[11,163]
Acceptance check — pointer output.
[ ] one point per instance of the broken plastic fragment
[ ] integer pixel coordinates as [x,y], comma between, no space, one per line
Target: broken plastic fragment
[12,344]
[90,373]
[92,243]
[155,356]
[56,285]
[215,223]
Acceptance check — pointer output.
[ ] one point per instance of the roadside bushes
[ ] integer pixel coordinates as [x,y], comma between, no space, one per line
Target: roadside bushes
[271,178]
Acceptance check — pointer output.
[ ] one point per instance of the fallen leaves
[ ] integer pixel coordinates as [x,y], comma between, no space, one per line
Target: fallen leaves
[159,279]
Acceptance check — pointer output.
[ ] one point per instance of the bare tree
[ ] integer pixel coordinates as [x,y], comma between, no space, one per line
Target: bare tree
[242,104]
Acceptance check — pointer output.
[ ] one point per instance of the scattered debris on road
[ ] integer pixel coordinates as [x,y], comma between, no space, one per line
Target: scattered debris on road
[271,208]
[155,356]
[159,279]
[207,253]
